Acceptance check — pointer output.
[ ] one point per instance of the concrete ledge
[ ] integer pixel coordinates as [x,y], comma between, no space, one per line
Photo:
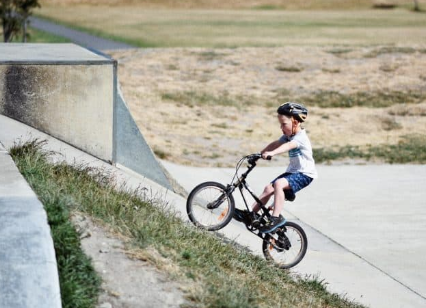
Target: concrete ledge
[63,90]
[72,94]
[28,270]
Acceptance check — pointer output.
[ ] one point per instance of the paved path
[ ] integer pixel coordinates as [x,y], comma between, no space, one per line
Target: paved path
[78,37]
[366,227]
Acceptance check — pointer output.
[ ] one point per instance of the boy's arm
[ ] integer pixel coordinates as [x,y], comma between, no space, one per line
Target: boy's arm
[272,146]
[277,147]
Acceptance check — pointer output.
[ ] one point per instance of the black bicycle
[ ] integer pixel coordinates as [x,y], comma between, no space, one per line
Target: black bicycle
[211,206]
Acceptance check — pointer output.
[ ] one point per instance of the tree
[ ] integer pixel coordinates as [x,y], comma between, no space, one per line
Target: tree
[14,16]
[416,6]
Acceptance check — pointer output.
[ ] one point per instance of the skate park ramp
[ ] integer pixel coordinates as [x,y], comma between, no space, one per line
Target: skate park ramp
[73,94]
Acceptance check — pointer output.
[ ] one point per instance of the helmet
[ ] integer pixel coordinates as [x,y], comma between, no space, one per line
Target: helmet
[290,109]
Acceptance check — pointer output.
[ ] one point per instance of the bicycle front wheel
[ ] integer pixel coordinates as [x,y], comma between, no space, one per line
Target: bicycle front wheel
[209,206]
[287,247]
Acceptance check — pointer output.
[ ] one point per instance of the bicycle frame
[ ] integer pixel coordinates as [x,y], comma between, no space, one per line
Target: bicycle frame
[241,183]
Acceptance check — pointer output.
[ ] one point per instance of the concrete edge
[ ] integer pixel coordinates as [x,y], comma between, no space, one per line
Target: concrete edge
[28,268]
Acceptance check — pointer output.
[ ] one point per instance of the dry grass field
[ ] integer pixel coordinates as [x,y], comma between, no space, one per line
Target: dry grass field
[212,97]
[210,106]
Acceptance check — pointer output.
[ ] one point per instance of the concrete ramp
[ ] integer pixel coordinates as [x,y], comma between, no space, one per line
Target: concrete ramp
[71,93]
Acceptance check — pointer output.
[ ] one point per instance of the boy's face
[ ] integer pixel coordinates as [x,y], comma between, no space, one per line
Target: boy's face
[286,125]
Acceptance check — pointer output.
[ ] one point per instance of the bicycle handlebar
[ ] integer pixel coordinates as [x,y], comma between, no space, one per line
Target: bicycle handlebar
[252,159]
[255,157]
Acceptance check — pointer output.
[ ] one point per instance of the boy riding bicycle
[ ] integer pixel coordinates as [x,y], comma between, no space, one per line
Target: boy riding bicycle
[300,171]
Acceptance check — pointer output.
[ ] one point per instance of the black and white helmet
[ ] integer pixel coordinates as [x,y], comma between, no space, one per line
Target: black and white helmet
[297,111]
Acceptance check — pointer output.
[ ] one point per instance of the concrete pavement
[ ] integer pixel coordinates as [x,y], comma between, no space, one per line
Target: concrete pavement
[346,248]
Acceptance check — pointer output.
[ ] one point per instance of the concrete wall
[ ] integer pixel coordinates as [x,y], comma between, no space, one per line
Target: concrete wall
[131,149]
[69,98]
[72,94]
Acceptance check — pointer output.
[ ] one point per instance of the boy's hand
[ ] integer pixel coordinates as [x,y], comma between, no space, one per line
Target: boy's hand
[267,155]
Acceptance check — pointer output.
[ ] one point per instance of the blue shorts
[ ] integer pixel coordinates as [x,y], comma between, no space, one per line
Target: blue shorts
[297,181]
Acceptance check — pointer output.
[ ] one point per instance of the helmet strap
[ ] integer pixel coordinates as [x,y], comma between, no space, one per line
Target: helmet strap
[294,126]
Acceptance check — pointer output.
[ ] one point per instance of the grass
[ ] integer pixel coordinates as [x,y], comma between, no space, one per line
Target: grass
[79,283]
[411,149]
[220,274]
[193,98]
[286,68]
[149,27]
[389,49]
[37,36]
[210,55]
[408,110]
[324,99]
[378,99]
[160,153]
[248,4]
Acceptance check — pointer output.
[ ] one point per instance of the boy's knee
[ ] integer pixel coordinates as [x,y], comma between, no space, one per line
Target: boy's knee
[269,189]
[281,184]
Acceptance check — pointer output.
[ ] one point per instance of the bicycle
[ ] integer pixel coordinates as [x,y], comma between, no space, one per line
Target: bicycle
[211,206]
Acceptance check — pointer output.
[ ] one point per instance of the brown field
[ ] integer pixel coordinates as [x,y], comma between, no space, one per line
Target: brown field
[208,107]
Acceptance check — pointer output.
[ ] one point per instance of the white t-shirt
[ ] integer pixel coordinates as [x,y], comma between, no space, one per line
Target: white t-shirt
[301,159]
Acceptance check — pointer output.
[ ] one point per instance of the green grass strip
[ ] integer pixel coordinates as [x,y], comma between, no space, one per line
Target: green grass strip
[192,98]
[222,274]
[38,36]
[378,99]
[412,149]
[79,283]
[324,99]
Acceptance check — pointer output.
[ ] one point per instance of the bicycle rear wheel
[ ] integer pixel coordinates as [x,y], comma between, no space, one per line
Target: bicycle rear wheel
[287,247]
[209,206]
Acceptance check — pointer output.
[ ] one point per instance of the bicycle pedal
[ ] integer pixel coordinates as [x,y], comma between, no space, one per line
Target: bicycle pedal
[256,224]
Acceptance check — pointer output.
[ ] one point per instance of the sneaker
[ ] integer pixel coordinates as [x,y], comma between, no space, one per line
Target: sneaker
[273,224]
[240,215]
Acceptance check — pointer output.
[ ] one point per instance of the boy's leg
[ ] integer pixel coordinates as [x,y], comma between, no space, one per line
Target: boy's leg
[277,220]
[279,197]
[264,197]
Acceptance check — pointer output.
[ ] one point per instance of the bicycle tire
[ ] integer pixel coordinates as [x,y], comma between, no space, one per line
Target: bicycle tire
[209,194]
[286,258]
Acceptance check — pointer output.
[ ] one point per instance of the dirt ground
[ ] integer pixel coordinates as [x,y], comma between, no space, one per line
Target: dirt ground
[170,94]
[129,280]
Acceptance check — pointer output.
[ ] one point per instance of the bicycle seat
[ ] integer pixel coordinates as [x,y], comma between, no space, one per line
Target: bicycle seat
[289,195]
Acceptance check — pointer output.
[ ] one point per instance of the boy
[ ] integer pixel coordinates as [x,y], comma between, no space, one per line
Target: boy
[301,169]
